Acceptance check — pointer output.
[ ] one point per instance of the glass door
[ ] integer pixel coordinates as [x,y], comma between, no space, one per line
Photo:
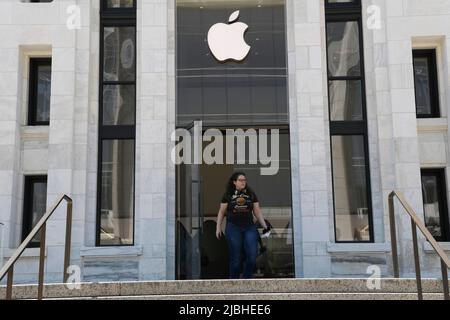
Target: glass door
[189,217]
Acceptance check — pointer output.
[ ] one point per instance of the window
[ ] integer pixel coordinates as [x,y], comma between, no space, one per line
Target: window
[117,124]
[39,91]
[348,123]
[34,206]
[426,84]
[435,208]
[343,5]
[118,8]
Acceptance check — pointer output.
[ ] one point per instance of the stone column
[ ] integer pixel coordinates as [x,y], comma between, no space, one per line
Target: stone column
[156,185]
[310,137]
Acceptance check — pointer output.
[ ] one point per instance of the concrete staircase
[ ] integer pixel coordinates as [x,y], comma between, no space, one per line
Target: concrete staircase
[276,289]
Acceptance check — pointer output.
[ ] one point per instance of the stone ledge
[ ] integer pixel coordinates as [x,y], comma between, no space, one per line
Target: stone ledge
[429,249]
[432,125]
[358,247]
[31,133]
[28,253]
[92,252]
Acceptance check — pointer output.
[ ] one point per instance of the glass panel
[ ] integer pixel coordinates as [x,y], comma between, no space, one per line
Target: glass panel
[117,193]
[119,54]
[340,1]
[346,101]
[119,105]
[275,257]
[432,194]
[39,205]
[252,91]
[350,189]
[119,3]
[43,90]
[422,85]
[343,49]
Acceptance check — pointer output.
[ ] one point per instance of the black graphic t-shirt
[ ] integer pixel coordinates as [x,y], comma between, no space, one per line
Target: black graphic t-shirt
[240,207]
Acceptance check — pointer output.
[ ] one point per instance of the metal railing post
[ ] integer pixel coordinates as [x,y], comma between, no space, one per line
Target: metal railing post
[2,244]
[395,263]
[42,263]
[416,260]
[68,240]
[9,283]
[445,280]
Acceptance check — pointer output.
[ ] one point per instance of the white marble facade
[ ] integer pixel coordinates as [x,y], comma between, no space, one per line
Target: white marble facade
[67,149]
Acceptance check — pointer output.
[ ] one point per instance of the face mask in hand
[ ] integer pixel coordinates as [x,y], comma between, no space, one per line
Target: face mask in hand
[266,233]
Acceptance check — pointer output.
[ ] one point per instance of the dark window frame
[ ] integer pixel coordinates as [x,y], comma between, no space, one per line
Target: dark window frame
[117,13]
[114,17]
[343,7]
[348,12]
[27,216]
[440,174]
[431,56]
[33,74]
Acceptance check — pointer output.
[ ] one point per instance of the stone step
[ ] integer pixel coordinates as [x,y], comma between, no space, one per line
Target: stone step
[273,296]
[207,288]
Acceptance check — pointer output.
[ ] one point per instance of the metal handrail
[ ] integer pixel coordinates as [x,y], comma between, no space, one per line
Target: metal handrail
[41,227]
[416,223]
[1,244]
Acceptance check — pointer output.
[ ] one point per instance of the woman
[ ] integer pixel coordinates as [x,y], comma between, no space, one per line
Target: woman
[240,203]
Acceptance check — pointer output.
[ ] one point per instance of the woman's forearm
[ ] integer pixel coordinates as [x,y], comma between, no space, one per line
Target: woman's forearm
[259,216]
[221,215]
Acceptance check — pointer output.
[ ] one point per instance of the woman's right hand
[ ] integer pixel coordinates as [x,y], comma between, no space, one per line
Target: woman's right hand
[218,233]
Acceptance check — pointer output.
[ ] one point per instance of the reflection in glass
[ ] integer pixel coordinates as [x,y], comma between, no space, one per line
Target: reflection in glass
[118,105]
[38,194]
[200,189]
[350,189]
[435,203]
[117,192]
[346,101]
[422,85]
[119,54]
[119,3]
[253,91]
[43,93]
[343,49]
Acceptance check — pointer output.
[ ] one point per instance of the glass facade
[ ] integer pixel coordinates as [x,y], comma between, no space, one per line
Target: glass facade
[247,94]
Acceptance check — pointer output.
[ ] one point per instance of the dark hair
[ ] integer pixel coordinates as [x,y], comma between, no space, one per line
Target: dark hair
[230,188]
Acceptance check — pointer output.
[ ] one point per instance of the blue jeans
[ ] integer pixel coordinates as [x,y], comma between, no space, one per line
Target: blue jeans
[239,238]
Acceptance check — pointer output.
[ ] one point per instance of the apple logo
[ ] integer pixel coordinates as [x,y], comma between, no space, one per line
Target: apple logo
[226,41]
